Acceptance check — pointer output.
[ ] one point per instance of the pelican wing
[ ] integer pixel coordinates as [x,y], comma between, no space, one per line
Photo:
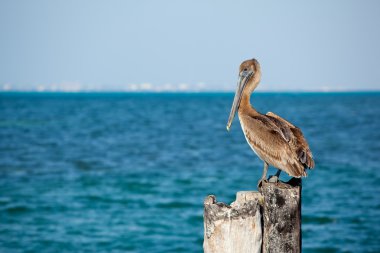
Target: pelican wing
[272,143]
[297,141]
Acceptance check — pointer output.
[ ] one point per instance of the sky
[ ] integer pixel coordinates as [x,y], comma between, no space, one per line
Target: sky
[168,45]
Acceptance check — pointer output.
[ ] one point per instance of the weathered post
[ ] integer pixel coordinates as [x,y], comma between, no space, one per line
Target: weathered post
[233,228]
[282,216]
[266,222]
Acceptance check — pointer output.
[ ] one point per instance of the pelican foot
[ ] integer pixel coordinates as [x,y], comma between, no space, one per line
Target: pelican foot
[273,179]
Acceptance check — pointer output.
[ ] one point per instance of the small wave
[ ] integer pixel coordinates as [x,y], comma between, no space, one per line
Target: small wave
[17,209]
[317,220]
[175,204]
[195,219]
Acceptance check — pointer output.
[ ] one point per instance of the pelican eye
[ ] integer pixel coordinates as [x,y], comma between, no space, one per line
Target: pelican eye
[246,72]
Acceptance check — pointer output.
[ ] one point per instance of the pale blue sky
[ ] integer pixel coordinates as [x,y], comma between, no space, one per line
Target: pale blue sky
[188,45]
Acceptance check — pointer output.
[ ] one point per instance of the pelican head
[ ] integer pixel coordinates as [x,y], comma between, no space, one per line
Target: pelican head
[249,78]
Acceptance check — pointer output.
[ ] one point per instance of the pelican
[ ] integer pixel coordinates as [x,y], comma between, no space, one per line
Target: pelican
[276,141]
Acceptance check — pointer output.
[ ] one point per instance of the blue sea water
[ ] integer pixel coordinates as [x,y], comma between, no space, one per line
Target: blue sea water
[128,172]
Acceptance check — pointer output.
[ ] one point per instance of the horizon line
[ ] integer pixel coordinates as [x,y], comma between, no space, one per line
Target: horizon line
[187,91]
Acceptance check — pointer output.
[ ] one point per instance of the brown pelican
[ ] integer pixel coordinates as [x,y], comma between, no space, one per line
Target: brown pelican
[275,140]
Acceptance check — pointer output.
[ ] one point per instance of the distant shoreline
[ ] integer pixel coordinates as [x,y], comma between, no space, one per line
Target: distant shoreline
[175,93]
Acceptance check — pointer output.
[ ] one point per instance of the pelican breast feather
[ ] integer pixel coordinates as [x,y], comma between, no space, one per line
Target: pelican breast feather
[278,142]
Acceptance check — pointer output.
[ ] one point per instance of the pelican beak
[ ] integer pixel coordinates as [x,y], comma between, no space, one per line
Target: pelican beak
[244,76]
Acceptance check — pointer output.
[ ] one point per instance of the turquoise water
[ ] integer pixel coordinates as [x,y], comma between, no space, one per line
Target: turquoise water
[129,172]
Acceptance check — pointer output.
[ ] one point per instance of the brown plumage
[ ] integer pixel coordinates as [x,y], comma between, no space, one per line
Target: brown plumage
[275,140]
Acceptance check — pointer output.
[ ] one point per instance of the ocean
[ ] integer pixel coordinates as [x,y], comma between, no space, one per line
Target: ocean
[128,172]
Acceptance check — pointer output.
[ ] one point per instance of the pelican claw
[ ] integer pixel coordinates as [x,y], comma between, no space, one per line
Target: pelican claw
[273,179]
